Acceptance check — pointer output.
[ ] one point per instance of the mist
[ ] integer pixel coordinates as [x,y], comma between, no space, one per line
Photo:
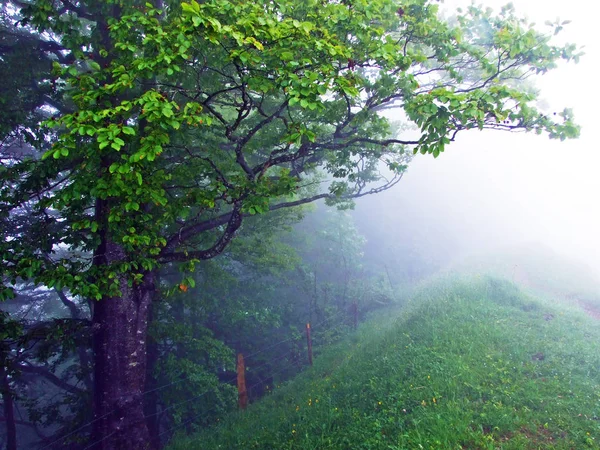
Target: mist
[490,190]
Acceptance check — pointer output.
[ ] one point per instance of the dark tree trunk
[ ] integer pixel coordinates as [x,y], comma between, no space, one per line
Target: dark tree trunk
[120,333]
[178,313]
[151,398]
[9,411]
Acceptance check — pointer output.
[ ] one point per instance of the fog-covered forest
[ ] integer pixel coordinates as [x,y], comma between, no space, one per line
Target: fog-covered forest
[297,224]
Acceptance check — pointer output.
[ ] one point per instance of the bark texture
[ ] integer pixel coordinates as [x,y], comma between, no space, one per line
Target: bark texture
[9,411]
[120,333]
[151,407]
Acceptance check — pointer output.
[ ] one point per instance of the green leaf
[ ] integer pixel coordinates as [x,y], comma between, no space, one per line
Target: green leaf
[307,27]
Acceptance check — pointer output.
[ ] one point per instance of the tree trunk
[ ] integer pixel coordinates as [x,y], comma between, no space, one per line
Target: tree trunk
[9,412]
[120,333]
[151,398]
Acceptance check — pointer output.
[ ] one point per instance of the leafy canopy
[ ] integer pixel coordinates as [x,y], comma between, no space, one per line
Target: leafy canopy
[169,122]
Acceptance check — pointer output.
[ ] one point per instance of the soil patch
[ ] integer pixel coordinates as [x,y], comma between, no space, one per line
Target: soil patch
[590,309]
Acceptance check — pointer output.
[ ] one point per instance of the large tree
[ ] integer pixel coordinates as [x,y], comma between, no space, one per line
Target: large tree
[162,124]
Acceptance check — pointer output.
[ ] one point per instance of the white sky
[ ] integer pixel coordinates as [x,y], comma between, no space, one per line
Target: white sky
[501,188]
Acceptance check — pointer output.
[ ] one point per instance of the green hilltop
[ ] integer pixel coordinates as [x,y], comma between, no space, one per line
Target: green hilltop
[540,270]
[466,364]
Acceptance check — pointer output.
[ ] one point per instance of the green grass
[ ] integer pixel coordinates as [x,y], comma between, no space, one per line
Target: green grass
[466,365]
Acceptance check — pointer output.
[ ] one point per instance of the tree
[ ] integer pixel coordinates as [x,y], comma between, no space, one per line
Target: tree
[235,307]
[173,121]
[45,366]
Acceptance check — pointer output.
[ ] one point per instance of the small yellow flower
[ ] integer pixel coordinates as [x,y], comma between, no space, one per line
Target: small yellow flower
[379,403]
[424,403]
[434,400]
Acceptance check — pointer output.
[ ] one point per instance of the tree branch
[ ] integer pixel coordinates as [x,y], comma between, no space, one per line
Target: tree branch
[71,306]
[49,376]
[234,223]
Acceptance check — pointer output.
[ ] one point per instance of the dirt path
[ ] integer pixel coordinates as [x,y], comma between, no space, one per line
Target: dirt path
[591,310]
[521,278]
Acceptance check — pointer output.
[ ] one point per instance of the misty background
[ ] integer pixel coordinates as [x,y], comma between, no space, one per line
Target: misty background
[490,190]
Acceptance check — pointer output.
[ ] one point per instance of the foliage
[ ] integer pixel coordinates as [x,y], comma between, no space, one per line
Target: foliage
[260,291]
[232,306]
[45,351]
[152,96]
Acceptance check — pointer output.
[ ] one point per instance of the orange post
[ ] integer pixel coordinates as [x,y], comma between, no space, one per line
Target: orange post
[241,382]
[309,344]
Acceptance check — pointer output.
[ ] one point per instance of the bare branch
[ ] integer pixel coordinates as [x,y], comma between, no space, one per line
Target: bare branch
[234,223]
[49,376]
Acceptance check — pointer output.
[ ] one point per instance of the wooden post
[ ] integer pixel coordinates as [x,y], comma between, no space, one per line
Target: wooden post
[355,315]
[309,343]
[241,382]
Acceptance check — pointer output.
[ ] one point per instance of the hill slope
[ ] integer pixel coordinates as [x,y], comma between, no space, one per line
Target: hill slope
[468,364]
[540,269]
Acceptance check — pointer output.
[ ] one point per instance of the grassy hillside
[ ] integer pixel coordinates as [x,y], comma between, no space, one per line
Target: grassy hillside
[467,365]
[541,270]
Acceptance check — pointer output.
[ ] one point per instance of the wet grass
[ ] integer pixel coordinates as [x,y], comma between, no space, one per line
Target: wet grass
[466,365]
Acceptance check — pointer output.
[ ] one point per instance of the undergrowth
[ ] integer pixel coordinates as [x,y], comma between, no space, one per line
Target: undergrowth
[466,365]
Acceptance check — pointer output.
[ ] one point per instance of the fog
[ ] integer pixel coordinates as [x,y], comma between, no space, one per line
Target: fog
[493,189]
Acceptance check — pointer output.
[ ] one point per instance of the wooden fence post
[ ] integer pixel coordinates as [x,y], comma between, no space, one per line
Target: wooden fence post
[355,315]
[309,343]
[241,382]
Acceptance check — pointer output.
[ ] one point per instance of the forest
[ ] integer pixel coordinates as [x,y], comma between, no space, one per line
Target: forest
[184,191]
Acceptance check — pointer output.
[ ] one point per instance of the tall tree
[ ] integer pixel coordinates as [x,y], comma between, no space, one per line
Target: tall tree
[173,121]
